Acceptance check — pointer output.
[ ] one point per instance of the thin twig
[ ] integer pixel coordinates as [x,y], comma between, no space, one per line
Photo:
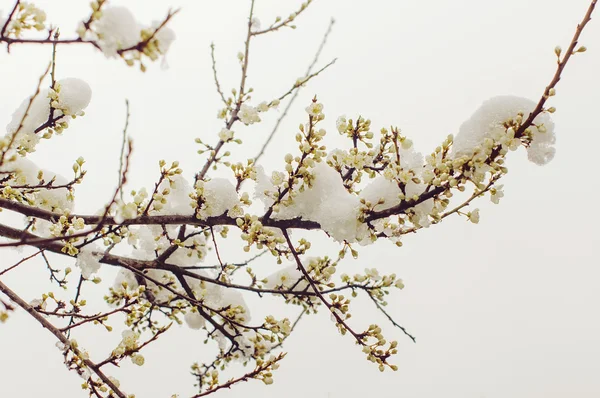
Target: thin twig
[61,337]
[293,99]
[214,68]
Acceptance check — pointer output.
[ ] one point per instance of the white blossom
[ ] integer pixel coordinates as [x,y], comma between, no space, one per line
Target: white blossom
[225,135]
[255,24]
[248,114]
[315,109]
[341,124]
[497,194]
[88,260]
[474,216]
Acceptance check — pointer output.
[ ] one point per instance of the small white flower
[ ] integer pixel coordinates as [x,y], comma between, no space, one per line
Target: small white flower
[372,273]
[263,107]
[277,178]
[248,115]
[341,124]
[78,223]
[138,360]
[255,24]
[497,193]
[474,216]
[226,135]
[129,338]
[315,110]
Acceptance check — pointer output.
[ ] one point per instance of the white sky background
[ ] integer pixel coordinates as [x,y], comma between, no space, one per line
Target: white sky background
[507,308]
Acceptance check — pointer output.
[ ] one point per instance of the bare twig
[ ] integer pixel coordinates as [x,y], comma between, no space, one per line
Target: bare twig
[293,99]
[61,337]
[122,173]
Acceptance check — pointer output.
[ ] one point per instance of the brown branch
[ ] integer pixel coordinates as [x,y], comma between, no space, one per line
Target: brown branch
[246,377]
[561,66]
[389,317]
[23,260]
[123,167]
[357,336]
[8,20]
[32,211]
[61,337]
[293,99]
[142,44]
[216,78]
[234,115]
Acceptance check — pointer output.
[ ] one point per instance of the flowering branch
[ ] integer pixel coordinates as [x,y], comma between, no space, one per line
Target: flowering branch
[377,187]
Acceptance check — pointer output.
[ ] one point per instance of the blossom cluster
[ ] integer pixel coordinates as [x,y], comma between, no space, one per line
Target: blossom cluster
[27,17]
[165,240]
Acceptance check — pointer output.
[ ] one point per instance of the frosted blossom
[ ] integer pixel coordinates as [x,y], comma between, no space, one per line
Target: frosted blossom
[248,114]
[219,196]
[116,29]
[88,260]
[73,96]
[487,122]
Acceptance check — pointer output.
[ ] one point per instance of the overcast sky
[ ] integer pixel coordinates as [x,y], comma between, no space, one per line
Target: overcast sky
[506,308]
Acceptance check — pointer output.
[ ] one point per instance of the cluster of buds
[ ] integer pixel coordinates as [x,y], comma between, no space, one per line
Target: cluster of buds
[129,346]
[377,351]
[255,233]
[27,17]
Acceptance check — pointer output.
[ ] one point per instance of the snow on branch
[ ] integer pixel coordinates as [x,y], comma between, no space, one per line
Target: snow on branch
[159,238]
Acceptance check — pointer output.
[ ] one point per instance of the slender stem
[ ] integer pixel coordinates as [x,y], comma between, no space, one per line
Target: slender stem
[61,337]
